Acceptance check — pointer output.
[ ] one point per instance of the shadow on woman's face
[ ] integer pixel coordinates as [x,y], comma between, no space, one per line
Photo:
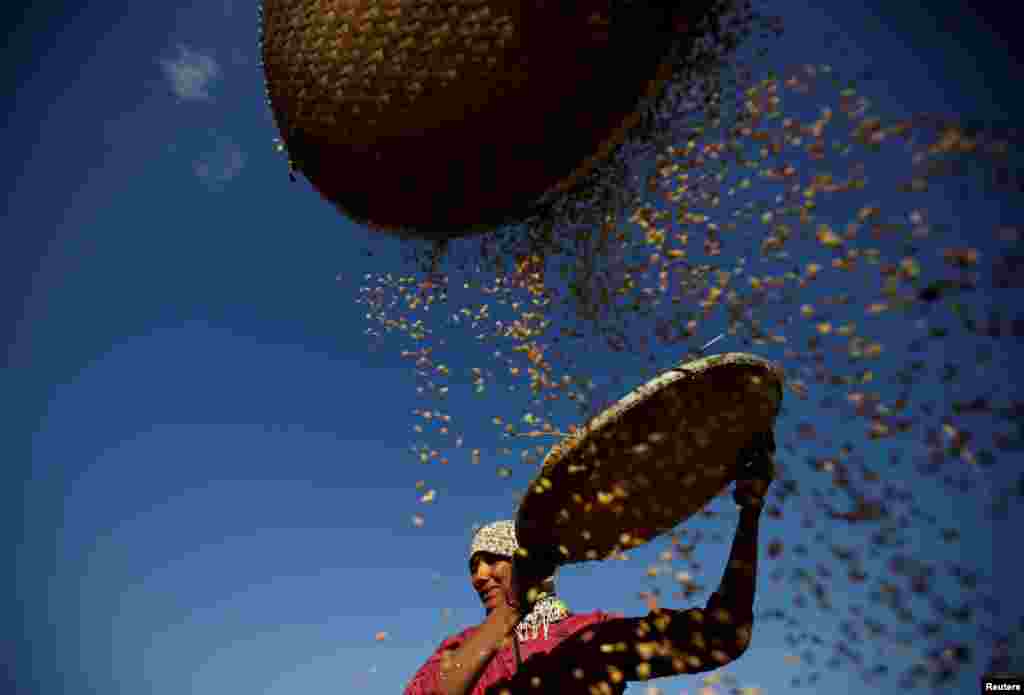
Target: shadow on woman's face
[491,577]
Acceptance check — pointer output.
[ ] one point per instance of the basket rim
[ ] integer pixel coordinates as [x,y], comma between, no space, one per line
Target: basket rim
[638,395]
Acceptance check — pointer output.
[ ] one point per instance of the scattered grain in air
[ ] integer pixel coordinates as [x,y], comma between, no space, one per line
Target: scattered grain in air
[751,304]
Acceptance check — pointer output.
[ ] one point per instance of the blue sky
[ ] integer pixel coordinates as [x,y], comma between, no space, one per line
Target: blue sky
[208,484]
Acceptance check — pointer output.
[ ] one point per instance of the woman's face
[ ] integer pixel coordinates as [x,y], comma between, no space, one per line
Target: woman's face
[491,576]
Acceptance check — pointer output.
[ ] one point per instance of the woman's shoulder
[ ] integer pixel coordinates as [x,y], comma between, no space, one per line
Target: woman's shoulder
[453,641]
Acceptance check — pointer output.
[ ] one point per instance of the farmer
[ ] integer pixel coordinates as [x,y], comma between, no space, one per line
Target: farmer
[530,642]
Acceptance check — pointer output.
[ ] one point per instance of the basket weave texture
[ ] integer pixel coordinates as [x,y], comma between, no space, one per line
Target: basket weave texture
[652,460]
[447,116]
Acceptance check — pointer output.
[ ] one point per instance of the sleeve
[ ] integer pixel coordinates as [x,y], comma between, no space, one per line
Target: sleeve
[669,642]
[612,649]
[425,682]
[721,613]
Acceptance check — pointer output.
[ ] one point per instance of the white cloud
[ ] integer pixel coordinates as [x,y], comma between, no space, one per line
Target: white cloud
[191,74]
[220,165]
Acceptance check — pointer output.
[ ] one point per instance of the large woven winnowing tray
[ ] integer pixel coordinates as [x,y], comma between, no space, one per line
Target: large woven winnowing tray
[652,460]
[443,115]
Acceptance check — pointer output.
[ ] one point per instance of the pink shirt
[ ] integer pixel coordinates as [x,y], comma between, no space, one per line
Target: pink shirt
[503,665]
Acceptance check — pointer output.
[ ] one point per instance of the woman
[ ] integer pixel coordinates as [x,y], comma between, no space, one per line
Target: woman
[530,642]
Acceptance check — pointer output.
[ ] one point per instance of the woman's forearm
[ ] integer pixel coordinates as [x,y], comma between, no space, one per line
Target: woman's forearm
[462,667]
[739,582]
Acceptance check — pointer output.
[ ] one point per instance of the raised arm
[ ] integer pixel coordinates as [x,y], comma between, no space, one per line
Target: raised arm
[664,643]
[672,642]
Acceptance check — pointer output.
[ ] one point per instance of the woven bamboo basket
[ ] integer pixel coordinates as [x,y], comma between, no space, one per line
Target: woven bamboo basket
[440,118]
[650,461]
